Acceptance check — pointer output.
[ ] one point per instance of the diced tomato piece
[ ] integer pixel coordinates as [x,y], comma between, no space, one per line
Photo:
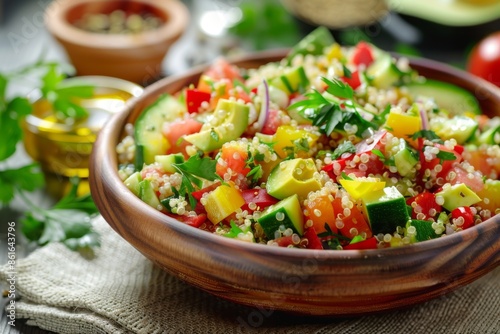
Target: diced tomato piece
[284,241]
[233,158]
[362,54]
[195,98]
[445,164]
[195,221]
[313,240]
[149,169]
[320,212]
[472,180]
[354,224]
[425,204]
[173,131]
[353,80]
[465,214]
[222,69]
[370,243]
[259,197]
[272,123]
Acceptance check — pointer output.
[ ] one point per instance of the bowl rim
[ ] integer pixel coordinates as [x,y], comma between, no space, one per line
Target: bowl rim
[110,134]
[57,25]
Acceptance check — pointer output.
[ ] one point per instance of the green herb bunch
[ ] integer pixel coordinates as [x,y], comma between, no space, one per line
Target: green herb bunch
[68,221]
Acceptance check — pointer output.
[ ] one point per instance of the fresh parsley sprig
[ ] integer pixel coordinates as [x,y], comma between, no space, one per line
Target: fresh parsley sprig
[193,171]
[69,220]
[331,115]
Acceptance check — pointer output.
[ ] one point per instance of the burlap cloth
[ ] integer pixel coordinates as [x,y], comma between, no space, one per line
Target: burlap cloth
[120,291]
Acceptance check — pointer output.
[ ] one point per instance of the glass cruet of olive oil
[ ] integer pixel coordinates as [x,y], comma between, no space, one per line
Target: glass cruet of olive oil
[63,148]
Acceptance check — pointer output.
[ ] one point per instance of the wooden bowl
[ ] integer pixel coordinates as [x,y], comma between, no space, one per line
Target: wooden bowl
[135,57]
[303,281]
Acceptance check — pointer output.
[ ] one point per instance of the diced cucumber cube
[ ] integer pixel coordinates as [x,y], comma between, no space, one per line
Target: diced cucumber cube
[385,210]
[286,212]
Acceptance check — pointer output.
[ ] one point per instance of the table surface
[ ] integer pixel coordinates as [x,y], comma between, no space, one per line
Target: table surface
[23,38]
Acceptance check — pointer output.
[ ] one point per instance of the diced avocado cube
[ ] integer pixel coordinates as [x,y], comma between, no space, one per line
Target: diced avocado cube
[132,183]
[385,209]
[458,195]
[148,195]
[295,176]
[422,230]
[166,161]
[230,120]
[286,212]
[462,128]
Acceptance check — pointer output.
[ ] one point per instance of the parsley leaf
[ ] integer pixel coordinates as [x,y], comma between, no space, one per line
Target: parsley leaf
[344,147]
[443,155]
[68,221]
[193,171]
[63,97]
[338,88]
[234,231]
[27,178]
[426,134]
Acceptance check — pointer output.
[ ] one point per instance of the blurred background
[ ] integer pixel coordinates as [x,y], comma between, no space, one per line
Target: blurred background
[444,30]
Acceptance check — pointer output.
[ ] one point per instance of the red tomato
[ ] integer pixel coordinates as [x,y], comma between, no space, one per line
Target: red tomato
[284,241]
[475,182]
[173,131]
[272,123]
[446,165]
[370,243]
[258,196]
[355,220]
[465,213]
[362,54]
[234,158]
[221,68]
[484,59]
[425,204]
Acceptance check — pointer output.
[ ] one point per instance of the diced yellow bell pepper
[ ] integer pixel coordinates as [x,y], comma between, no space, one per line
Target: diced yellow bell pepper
[360,187]
[404,126]
[335,52]
[222,202]
[286,135]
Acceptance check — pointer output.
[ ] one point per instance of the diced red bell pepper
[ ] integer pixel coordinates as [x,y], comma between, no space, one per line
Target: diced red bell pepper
[258,196]
[195,221]
[199,193]
[284,241]
[362,54]
[353,80]
[194,99]
[464,212]
[370,243]
[426,201]
[313,240]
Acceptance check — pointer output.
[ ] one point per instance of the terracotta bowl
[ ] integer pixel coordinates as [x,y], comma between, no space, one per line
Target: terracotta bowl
[326,282]
[135,57]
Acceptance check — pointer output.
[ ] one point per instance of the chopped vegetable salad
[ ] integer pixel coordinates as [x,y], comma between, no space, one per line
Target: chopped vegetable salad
[332,147]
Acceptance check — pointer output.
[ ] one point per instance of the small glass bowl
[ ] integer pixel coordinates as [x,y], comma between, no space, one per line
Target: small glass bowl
[64,149]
